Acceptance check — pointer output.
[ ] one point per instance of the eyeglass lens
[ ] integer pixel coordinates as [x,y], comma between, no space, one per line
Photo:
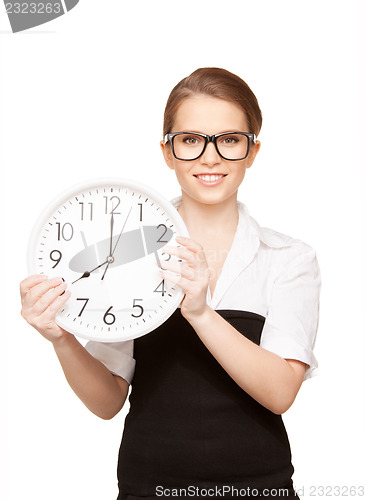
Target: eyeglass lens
[230,146]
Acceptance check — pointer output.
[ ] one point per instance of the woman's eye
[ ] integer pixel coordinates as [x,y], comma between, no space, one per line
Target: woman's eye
[191,140]
[229,140]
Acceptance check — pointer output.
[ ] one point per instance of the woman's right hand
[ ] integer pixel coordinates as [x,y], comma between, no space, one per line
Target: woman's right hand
[41,299]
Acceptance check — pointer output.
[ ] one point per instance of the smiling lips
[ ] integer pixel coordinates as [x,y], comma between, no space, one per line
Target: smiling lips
[210,179]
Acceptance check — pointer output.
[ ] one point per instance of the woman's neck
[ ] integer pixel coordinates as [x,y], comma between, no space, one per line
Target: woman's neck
[209,221]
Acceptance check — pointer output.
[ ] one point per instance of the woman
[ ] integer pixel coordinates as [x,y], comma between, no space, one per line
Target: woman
[210,384]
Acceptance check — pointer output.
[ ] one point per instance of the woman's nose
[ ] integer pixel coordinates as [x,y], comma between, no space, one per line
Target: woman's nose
[210,155]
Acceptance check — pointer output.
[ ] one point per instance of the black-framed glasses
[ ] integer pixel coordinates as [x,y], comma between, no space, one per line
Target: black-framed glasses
[188,146]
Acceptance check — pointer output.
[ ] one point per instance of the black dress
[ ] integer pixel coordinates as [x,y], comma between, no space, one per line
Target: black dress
[191,425]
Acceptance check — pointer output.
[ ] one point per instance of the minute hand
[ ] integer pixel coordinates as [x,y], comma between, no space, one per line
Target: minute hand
[110,258]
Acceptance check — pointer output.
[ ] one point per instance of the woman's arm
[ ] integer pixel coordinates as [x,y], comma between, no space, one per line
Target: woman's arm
[101,391]
[268,378]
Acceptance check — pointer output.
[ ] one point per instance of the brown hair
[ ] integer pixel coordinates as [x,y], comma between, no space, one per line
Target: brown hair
[216,82]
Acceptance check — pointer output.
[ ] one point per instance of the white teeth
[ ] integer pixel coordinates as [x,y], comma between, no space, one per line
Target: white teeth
[209,178]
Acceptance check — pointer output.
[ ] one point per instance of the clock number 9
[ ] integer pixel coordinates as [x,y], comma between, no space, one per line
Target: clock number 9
[55,259]
[109,315]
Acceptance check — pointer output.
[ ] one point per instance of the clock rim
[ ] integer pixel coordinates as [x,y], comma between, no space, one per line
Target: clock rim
[90,184]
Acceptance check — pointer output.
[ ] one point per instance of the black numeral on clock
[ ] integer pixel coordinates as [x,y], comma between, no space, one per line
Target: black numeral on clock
[140,204]
[55,256]
[86,211]
[161,288]
[82,309]
[66,231]
[165,230]
[112,203]
[141,309]
[109,318]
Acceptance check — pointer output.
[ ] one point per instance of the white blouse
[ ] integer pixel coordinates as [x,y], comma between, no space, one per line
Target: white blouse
[267,273]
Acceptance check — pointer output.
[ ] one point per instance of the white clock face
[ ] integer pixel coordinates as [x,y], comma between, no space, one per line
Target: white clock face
[104,238]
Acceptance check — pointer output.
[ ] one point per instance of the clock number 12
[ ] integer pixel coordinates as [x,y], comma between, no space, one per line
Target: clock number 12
[114,204]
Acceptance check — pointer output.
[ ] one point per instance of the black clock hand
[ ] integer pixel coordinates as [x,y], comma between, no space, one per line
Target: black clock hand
[111,236]
[87,273]
[110,258]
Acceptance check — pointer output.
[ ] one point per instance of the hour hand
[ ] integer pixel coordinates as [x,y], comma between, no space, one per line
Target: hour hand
[87,273]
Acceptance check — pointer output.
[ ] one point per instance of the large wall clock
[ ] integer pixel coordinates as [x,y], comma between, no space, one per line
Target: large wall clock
[104,238]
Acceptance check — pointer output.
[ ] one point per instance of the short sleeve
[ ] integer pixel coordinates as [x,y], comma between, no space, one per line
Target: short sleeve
[116,356]
[291,325]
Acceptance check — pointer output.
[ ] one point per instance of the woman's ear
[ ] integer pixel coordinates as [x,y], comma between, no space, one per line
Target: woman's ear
[254,149]
[167,153]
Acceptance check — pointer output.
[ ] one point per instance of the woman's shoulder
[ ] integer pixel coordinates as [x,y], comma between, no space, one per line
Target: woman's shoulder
[275,239]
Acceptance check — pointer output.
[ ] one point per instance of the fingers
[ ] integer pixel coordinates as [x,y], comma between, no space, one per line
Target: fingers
[179,268]
[30,282]
[189,243]
[34,289]
[48,315]
[41,295]
[180,252]
[191,246]
[48,299]
[193,268]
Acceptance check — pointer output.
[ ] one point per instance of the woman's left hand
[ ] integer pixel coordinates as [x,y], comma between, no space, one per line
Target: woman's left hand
[194,275]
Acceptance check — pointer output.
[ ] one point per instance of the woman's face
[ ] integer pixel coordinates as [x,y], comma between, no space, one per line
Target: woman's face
[209,115]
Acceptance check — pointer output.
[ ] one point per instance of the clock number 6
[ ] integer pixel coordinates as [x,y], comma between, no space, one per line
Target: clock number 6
[109,315]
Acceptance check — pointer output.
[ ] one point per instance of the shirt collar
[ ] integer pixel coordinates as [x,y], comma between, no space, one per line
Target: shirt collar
[249,227]
[247,240]
[267,236]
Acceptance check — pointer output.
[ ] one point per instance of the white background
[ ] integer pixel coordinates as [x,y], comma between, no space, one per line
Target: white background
[76,92]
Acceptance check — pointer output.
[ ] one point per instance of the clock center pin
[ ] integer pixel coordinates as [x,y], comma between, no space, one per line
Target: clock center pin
[110,259]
